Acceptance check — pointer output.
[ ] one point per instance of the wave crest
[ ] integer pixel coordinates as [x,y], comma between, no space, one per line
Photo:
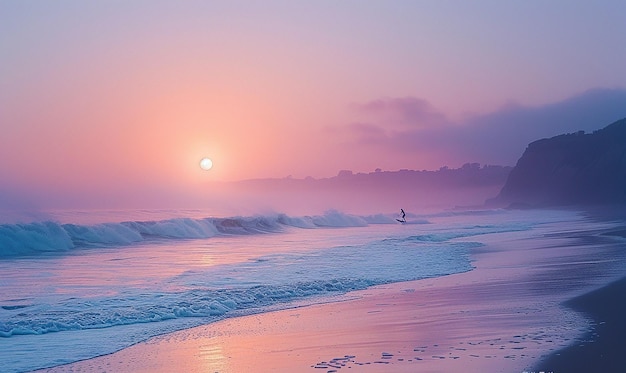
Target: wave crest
[52,237]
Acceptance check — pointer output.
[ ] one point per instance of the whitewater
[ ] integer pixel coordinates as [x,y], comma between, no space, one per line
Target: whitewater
[73,291]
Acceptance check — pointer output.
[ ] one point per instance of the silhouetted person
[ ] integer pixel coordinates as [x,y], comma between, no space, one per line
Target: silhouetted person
[403,220]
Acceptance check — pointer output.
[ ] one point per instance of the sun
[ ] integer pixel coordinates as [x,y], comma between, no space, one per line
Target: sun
[206,164]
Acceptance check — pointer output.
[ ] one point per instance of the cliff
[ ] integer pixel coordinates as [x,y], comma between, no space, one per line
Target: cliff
[571,169]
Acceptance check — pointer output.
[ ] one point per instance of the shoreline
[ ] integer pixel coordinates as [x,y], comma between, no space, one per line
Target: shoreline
[384,328]
[601,349]
[505,315]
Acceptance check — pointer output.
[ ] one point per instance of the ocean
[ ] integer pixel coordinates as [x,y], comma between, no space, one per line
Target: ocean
[83,284]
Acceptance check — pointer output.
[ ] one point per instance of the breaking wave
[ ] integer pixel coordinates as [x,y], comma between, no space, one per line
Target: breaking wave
[52,237]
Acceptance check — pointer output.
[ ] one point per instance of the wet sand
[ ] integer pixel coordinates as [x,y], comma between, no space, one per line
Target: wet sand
[604,348]
[507,315]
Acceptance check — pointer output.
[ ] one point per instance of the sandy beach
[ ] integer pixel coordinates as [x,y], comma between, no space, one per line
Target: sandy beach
[506,315]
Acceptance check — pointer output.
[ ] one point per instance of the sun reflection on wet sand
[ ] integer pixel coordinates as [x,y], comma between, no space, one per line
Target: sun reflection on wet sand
[212,357]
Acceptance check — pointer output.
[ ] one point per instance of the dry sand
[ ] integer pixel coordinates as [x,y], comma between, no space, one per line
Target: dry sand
[505,316]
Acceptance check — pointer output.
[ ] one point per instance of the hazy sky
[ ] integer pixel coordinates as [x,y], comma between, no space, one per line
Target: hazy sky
[105,96]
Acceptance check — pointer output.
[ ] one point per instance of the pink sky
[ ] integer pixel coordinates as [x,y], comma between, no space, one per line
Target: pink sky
[116,96]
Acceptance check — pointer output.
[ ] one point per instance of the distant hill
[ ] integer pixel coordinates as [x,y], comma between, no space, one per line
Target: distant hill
[380,191]
[469,175]
[570,169]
